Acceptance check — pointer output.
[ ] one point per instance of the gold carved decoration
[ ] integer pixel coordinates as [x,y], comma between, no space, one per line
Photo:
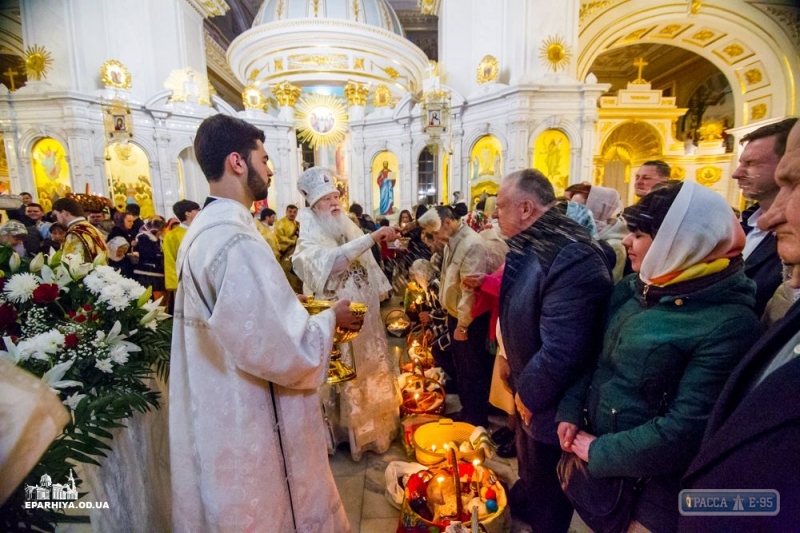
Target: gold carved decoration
[358,63]
[37,61]
[703,35]
[253,74]
[115,74]
[305,61]
[669,29]
[694,6]
[279,10]
[316,7]
[392,73]
[677,172]
[356,10]
[759,111]
[708,175]
[286,93]
[278,65]
[382,96]
[555,51]
[356,93]
[640,63]
[427,7]
[753,76]
[711,130]
[488,69]
[188,85]
[252,98]
[321,119]
[733,50]
[636,35]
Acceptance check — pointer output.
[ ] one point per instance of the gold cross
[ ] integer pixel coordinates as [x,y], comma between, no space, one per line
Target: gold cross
[641,63]
[11,73]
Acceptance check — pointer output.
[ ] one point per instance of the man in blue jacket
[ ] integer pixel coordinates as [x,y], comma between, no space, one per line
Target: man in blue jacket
[555,288]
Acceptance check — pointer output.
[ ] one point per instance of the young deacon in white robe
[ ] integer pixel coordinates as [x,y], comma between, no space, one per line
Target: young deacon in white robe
[333,259]
[247,445]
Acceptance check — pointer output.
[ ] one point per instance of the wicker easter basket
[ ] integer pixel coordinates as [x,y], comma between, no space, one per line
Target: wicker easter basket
[419,352]
[422,395]
[397,323]
[412,522]
[438,434]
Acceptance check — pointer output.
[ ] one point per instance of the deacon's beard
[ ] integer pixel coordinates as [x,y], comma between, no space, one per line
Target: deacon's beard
[333,225]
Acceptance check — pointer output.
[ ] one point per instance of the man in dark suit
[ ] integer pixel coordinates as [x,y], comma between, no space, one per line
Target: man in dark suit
[753,436]
[755,174]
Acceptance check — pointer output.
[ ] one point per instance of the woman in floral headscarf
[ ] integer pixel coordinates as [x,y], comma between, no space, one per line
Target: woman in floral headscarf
[675,330]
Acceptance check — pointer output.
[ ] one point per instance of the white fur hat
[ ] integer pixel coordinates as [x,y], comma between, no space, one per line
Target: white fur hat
[315,183]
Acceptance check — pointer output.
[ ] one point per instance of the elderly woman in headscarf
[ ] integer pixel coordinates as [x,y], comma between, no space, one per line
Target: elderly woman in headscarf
[674,332]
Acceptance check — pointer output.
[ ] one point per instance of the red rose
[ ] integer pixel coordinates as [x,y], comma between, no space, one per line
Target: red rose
[80,319]
[71,340]
[86,307]
[45,293]
[8,315]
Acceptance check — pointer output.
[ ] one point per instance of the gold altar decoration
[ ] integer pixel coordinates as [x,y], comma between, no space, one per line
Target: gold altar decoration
[117,122]
[50,171]
[554,50]
[114,74]
[321,119]
[252,98]
[286,93]
[435,114]
[488,69]
[708,175]
[711,131]
[338,371]
[382,96]
[356,93]
[640,63]
[37,61]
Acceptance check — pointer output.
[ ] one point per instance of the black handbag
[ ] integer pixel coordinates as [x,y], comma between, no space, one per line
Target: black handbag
[604,503]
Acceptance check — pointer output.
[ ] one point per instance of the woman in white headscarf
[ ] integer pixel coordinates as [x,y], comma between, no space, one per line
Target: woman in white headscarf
[675,330]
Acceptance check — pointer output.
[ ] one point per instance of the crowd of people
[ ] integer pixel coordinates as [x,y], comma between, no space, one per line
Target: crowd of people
[637,351]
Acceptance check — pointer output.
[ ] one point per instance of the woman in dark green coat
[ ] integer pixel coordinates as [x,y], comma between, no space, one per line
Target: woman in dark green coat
[674,333]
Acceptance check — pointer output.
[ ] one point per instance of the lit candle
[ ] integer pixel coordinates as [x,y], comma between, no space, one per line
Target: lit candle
[433,448]
[416,399]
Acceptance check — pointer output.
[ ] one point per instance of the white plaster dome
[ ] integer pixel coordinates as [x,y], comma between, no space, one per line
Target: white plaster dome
[373,12]
[327,42]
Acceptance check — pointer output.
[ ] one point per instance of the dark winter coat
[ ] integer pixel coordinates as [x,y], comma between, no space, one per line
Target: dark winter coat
[667,353]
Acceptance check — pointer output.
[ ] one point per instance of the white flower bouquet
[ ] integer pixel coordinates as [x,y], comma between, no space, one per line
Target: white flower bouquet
[96,339]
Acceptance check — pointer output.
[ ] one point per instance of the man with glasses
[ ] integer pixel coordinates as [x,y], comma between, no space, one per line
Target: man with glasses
[755,175]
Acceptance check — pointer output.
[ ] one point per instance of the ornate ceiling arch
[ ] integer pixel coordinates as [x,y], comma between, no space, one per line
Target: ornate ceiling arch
[755,45]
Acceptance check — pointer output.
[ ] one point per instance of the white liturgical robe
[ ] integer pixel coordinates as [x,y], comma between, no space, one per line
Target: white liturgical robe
[365,411]
[247,444]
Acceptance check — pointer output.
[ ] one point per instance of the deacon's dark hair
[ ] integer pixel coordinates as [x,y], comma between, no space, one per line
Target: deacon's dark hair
[70,205]
[182,207]
[534,184]
[266,213]
[662,169]
[779,130]
[219,136]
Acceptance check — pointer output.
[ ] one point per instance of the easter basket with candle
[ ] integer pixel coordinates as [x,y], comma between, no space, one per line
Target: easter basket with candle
[419,352]
[437,498]
[421,394]
[397,323]
[432,442]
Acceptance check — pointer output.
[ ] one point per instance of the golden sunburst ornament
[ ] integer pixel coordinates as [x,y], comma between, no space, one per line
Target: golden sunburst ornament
[555,51]
[321,119]
[37,60]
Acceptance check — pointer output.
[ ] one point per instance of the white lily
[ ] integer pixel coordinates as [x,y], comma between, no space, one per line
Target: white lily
[77,268]
[12,352]
[60,276]
[14,262]
[155,314]
[100,259]
[113,339]
[73,400]
[52,378]
[37,263]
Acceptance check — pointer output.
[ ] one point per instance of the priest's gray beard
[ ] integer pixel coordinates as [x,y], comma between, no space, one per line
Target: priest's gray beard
[334,226]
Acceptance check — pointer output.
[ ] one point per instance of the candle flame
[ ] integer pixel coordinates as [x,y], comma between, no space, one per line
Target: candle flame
[476,462]
[440,479]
